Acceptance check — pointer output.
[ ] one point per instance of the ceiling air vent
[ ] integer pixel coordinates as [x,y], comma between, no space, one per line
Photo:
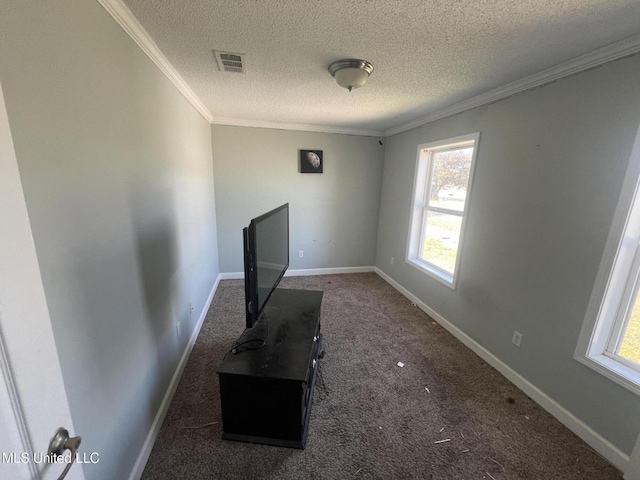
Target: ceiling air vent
[230,62]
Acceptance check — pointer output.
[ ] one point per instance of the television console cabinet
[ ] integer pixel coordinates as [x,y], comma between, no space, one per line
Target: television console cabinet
[266,393]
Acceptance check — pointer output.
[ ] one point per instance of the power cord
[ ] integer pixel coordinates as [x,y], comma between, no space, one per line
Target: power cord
[239,347]
[198,426]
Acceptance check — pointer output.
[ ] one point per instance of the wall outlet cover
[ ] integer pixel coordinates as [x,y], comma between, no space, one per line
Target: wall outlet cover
[517,338]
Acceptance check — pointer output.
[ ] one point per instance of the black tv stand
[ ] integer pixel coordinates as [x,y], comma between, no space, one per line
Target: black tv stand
[266,393]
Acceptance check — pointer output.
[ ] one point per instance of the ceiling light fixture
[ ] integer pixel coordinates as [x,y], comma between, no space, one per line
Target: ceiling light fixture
[351,73]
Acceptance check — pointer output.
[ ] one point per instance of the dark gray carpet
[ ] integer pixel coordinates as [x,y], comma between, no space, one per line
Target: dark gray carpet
[371,418]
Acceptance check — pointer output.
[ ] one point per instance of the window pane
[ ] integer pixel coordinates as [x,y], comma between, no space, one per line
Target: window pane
[630,345]
[440,240]
[450,178]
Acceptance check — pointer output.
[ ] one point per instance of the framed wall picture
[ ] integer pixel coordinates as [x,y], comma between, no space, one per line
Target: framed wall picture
[310,161]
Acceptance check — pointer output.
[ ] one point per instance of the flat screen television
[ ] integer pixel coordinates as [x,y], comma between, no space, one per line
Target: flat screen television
[266,258]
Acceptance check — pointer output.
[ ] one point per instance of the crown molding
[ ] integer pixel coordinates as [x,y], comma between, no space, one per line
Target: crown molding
[130,24]
[614,51]
[296,126]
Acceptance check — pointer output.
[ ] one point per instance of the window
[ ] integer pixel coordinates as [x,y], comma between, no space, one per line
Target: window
[610,337]
[440,200]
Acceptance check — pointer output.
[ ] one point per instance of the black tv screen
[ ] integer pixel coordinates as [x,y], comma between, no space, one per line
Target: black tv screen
[266,244]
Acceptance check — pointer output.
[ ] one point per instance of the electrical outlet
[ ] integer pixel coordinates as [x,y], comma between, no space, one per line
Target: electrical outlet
[391,261]
[300,253]
[178,329]
[517,338]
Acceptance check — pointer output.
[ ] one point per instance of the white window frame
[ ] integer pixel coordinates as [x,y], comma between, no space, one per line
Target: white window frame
[616,286]
[421,187]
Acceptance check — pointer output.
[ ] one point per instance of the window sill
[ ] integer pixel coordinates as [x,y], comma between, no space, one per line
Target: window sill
[619,373]
[442,277]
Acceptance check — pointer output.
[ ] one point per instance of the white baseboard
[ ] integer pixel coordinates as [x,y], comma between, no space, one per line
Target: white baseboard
[601,445]
[143,456]
[302,272]
[327,271]
[231,276]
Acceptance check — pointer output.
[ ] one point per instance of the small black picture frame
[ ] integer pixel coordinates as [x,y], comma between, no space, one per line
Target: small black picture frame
[310,161]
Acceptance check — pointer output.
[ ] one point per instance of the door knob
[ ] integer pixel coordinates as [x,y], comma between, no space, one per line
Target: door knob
[61,442]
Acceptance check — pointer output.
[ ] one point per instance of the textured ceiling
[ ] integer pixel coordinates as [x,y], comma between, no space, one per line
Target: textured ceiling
[427,55]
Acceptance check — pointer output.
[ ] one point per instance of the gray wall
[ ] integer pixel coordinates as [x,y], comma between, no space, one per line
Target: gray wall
[117,173]
[551,163]
[333,215]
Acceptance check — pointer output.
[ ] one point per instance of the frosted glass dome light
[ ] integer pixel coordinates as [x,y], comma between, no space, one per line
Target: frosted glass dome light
[351,73]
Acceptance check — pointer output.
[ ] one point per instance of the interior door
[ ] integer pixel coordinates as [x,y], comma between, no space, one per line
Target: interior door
[33,400]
